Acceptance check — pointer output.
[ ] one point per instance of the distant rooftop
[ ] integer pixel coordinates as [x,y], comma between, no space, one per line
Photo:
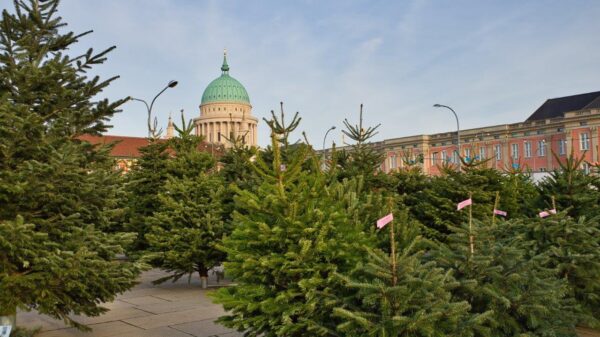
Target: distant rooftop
[556,107]
[129,147]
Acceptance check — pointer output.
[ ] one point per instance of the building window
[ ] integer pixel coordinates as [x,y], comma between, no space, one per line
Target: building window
[527,149]
[562,147]
[514,153]
[542,148]
[542,169]
[444,157]
[393,162]
[482,154]
[584,141]
[455,157]
[434,158]
[468,154]
[498,152]
[586,168]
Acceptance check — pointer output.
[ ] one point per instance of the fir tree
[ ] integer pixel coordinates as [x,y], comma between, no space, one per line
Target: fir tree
[57,192]
[507,284]
[432,200]
[572,248]
[142,185]
[572,189]
[361,159]
[291,235]
[418,301]
[187,224]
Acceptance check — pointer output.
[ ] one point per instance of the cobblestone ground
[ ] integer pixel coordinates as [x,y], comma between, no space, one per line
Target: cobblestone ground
[167,310]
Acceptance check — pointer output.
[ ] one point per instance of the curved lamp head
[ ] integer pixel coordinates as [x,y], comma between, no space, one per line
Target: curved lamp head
[172,84]
[332,128]
[437,105]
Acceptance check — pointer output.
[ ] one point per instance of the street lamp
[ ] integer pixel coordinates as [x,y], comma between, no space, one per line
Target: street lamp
[326,133]
[457,128]
[151,128]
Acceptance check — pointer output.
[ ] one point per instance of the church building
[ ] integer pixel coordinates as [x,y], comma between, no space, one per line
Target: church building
[225,111]
[225,115]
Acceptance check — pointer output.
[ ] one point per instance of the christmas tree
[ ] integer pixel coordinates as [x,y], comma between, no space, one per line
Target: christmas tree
[572,248]
[142,185]
[404,295]
[506,283]
[187,225]
[57,191]
[291,235]
[360,158]
[572,189]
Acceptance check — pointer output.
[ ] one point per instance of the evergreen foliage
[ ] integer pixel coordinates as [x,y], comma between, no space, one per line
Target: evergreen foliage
[513,288]
[291,235]
[432,199]
[57,192]
[573,189]
[187,224]
[418,302]
[572,248]
[142,185]
[361,159]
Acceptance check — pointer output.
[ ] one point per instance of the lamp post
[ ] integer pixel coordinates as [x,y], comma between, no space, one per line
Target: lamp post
[152,129]
[326,133]
[457,128]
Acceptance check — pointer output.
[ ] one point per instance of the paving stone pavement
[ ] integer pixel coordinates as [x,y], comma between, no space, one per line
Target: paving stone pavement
[167,310]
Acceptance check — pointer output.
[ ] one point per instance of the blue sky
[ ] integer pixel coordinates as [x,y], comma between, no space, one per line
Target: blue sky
[494,62]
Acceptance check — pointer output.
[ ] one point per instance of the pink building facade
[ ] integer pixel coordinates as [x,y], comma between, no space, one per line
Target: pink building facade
[560,126]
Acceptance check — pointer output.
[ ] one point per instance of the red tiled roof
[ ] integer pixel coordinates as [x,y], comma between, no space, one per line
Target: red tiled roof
[128,147]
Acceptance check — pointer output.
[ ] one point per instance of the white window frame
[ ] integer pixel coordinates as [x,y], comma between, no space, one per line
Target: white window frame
[482,153]
[393,162]
[434,158]
[498,151]
[444,157]
[514,151]
[562,147]
[541,148]
[468,153]
[584,141]
[455,156]
[586,168]
[527,149]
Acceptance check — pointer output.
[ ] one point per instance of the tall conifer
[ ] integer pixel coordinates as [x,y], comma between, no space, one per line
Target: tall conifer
[187,224]
[56,191]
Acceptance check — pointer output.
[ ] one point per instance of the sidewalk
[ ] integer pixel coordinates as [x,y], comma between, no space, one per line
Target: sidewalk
[167,310]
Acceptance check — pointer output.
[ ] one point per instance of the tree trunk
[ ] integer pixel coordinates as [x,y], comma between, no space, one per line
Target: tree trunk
[203,272]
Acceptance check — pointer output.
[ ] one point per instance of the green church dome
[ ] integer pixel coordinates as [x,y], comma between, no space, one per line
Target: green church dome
[225,88]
